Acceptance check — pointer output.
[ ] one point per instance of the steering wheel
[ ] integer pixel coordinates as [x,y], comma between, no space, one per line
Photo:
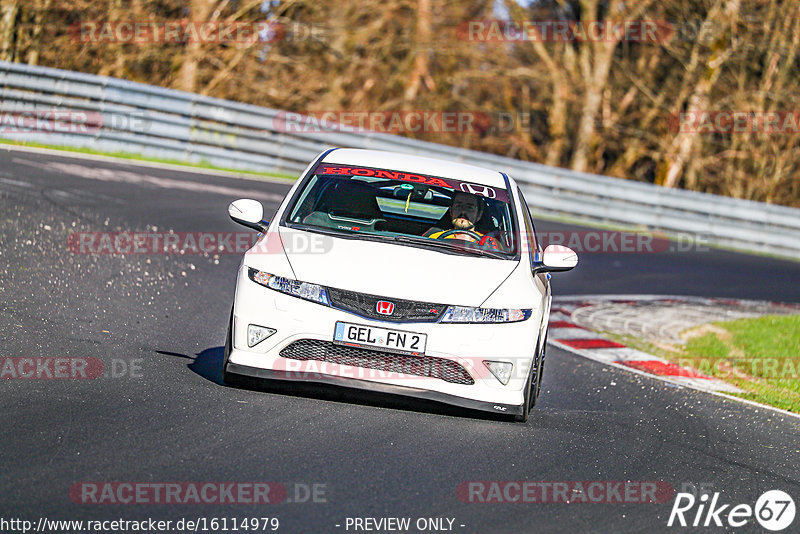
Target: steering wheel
[474,235]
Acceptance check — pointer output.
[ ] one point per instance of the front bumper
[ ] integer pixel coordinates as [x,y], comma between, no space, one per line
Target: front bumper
[380,387]
[295,319]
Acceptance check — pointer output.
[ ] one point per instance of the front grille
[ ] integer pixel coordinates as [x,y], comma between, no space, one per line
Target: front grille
[309,349]
[404,310]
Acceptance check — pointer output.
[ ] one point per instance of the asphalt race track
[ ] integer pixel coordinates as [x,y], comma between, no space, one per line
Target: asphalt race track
[158,322]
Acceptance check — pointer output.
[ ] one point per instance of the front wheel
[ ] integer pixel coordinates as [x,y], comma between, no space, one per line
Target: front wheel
[530,394]
[534,386]
[526,409]
[540,374]
[528,401]
[227,377]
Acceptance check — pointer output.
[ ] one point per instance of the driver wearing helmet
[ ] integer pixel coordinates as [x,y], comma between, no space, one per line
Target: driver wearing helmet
[465,211]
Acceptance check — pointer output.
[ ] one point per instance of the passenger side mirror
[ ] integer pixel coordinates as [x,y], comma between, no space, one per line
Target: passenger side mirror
[556,258]
[249,213]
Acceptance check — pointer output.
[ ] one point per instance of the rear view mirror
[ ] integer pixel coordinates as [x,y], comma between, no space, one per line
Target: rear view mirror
[249,213]
[557,258]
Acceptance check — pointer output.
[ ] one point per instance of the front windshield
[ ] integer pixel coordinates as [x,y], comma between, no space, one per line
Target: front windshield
[415,209]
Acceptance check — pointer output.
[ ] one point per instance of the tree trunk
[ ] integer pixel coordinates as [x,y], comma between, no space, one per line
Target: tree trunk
[595,61]
[199,12]
[8,29]
[42,7]
[684,143]
[421,73]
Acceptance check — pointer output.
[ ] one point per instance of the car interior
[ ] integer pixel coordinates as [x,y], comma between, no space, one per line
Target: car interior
[389,206]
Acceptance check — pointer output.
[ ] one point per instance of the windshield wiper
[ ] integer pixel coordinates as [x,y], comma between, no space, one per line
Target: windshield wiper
[444,245]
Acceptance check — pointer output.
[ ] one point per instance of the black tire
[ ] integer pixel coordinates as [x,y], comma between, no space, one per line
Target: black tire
[534,387]
[530,391]
[526,407]
[540,374]
[228,378]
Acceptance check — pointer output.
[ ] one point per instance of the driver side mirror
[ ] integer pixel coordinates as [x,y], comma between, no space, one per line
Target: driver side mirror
[249,213]
[556,258]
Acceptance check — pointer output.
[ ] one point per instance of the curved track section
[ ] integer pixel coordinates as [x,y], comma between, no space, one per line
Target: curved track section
[156,325]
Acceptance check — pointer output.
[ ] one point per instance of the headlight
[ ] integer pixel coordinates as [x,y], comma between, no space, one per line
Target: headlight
[303,290]
[461,314]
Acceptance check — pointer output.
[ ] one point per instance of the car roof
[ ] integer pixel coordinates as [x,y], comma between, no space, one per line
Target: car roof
[396,161]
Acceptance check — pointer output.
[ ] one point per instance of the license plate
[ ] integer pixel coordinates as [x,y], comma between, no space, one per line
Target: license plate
[398,341]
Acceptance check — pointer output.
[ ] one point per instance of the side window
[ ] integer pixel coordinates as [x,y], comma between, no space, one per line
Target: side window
[529,240]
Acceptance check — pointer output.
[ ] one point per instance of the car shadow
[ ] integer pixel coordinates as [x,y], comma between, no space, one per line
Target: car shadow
[208,364]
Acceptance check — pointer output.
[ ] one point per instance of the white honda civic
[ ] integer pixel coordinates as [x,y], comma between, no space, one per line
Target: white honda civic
[401,274]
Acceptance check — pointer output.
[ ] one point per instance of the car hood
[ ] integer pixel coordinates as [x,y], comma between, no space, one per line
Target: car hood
[393,270]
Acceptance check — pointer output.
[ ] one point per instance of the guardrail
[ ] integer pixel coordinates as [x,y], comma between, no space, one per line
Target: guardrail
[174,125]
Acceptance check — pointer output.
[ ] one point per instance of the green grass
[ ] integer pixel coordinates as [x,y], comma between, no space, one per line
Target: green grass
[773,336]
[137,157]
[760,356]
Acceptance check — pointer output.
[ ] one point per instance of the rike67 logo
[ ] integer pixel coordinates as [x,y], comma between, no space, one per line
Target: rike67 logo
[774,510]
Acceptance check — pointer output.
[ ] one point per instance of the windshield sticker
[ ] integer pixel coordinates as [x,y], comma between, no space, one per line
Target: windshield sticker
[467,187]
